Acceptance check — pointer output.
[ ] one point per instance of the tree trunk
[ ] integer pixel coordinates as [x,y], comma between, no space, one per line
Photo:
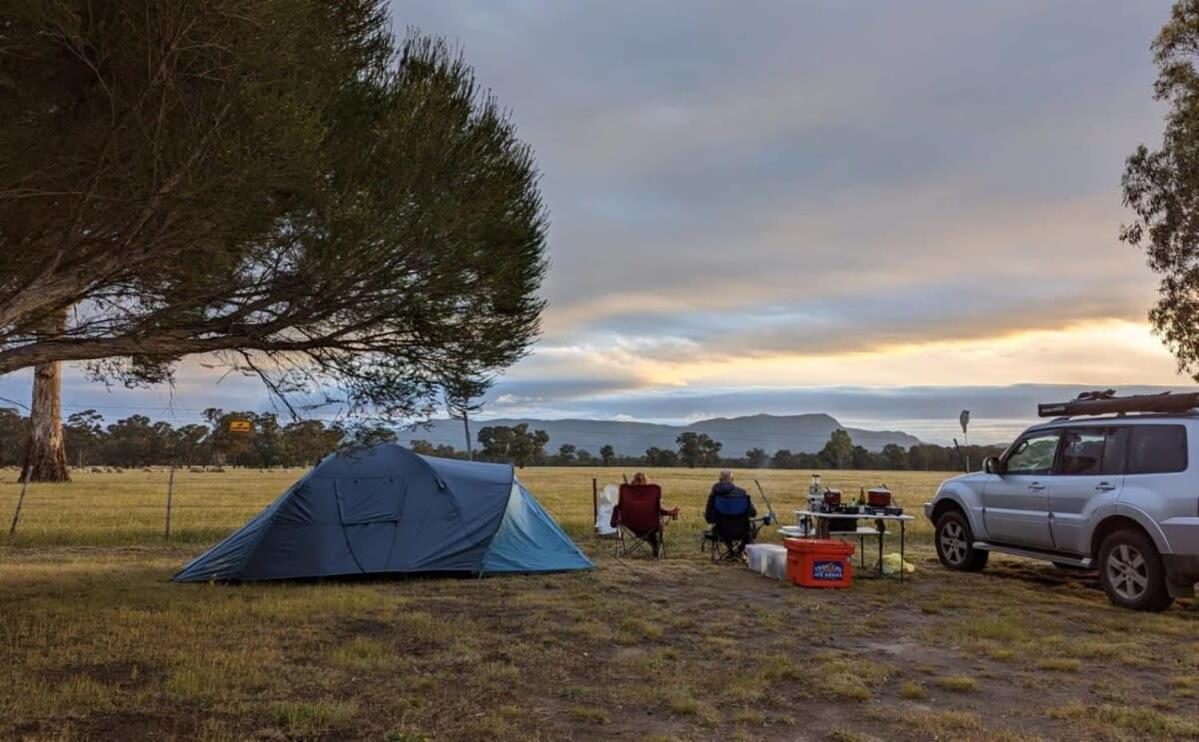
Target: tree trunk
[45,452]
[470,454]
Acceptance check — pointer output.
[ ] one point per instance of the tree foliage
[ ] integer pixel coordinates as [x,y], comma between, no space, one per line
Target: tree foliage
[1162,189]
[655,456]
[464,398]
[566,454]
[838,451]
[139,441]
[270,181]
[698,449]
[516,445]
[607,454]
[756,458]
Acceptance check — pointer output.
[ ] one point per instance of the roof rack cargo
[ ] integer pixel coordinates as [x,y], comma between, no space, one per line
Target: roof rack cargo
[1106,402]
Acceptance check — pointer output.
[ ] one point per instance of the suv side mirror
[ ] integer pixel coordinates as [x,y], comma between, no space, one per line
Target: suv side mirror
[991,465]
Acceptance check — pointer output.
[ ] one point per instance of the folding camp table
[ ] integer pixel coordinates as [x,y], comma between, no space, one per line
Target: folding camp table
[818,527]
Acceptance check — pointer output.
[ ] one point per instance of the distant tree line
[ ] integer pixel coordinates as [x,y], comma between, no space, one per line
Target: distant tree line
[138,441]
[524,447]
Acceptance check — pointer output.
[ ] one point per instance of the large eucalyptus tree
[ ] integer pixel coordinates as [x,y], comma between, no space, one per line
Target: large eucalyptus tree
[276,184]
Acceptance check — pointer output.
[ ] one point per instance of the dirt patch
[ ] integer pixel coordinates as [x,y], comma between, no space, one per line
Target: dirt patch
[118,674]
[365,627]
[127,725]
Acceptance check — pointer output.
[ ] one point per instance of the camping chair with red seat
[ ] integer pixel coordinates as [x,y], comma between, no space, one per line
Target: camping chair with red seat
[639,512]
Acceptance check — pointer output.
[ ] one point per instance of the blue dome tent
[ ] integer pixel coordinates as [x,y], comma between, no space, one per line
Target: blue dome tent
[383,509]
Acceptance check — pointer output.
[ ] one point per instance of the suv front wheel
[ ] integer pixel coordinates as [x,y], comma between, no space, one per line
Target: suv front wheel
[1131,571]
[955,543]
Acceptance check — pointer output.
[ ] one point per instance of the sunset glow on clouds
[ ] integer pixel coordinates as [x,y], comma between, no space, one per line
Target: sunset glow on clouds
[1104,352]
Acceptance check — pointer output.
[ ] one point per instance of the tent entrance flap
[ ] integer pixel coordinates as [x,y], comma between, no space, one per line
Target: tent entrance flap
[528,540]
[369,509]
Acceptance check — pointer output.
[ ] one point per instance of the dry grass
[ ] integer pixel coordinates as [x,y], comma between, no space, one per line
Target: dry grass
[128,509]
[95,643]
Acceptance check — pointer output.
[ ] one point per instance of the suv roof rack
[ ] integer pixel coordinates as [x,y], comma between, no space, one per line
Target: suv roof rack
[1106,403]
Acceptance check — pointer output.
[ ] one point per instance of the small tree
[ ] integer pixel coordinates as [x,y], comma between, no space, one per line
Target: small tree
[464,398]
[308,441]
[84,433]
[756,458]
[189,444]
[227,445]
[861,458]
[663,457]
[517,445]
[1162,189]
[838,451]
[14,430]
[566,454]
[528,446]
[422,447]
[698,449]
[690,450]
[895,457]
[607,454]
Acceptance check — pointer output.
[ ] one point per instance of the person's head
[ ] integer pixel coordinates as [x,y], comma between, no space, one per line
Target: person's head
[639,478]
[726,475]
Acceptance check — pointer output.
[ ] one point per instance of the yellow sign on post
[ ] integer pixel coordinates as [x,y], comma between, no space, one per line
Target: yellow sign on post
[240,426]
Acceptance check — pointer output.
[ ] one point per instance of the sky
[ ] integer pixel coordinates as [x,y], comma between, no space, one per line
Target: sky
[884,211]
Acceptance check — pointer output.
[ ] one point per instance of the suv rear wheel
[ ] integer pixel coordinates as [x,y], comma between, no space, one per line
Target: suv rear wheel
[1131,571]
[955,543]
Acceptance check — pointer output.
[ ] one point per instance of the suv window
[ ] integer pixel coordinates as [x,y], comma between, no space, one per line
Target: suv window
[1082,452]
[1114,450]
[1033,454]
[1157,449]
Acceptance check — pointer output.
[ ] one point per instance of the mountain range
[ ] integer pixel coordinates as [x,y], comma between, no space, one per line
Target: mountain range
[798,433]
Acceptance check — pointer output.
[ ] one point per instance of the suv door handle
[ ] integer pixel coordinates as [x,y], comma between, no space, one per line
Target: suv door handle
[1036,486]
[1105,487]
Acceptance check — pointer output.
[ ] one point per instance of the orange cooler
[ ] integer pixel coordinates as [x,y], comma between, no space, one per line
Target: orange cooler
[819,562]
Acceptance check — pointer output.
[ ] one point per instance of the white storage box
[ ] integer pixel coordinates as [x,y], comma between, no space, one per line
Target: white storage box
[768,560]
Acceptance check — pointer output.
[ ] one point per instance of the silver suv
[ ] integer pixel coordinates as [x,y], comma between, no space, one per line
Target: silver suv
[1117,493]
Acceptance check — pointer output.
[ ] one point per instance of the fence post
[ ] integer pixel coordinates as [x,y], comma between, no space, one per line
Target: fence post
[12,530]
[594,501]
[170,497]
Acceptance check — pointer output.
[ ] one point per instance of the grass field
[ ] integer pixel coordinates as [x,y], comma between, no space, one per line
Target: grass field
[95,643]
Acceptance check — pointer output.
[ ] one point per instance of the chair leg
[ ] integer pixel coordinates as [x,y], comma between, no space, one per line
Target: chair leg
[627,548]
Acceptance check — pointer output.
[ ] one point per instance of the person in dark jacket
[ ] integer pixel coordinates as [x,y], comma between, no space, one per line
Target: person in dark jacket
[731,513]
[725,488]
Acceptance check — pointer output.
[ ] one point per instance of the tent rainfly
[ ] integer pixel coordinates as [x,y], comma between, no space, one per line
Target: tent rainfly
[386,510]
